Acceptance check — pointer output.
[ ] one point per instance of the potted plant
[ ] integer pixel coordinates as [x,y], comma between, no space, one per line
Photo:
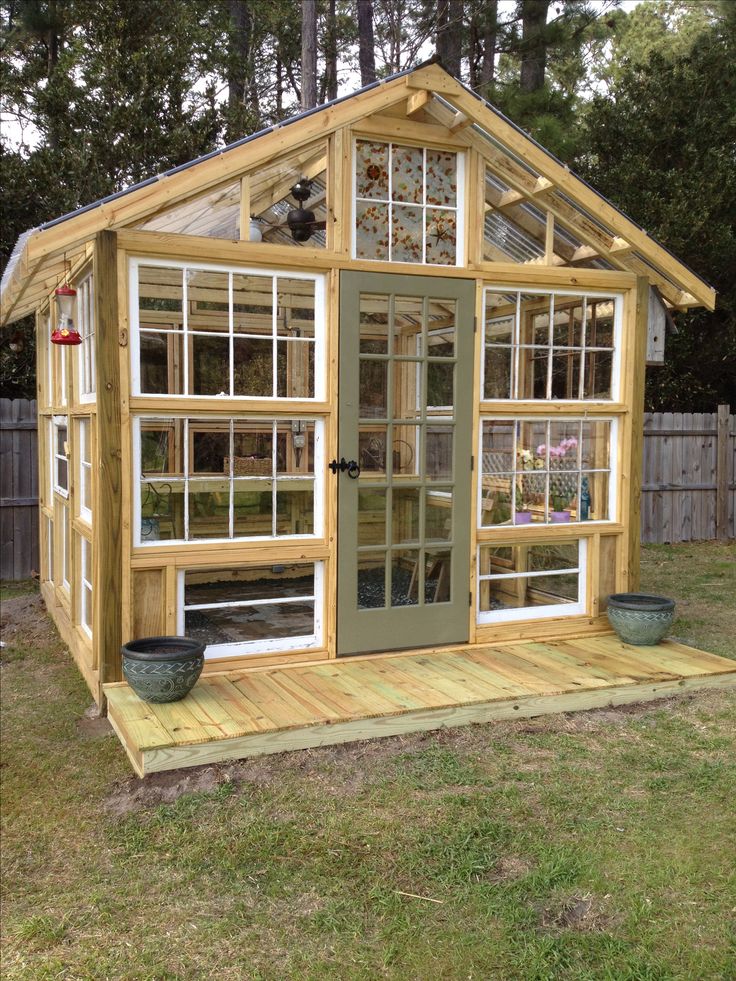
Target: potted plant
[162,669]
[559,512]
[640,619]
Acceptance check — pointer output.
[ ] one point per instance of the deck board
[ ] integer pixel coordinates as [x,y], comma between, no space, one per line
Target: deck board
[245,713]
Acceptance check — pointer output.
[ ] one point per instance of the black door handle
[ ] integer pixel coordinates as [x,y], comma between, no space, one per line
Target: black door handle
[350,465]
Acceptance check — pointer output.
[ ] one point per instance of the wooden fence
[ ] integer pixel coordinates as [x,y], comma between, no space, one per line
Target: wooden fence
[18,489]
[689,485]
[688,493]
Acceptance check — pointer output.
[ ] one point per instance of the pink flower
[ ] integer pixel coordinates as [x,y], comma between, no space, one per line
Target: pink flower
[541,449]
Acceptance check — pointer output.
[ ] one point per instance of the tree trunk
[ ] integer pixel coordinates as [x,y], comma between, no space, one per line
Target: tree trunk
[533,44]
[331,52]
[450,34]
[238,61]
[367,53]
[488,65]
[309,54]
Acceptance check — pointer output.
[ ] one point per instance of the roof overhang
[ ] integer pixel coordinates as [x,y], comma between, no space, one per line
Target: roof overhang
[43,255]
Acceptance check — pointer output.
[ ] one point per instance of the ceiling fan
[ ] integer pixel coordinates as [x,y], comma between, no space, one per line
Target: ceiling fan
[301,221]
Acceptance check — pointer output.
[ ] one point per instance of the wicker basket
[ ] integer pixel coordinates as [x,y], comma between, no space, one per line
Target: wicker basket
[244,466]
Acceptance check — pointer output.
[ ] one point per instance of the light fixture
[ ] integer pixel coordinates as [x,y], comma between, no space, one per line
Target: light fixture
[301,220]
[255,233]
[65,332]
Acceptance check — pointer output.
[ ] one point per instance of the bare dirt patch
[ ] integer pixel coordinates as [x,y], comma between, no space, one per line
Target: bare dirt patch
[134,794]
[509,869]
[581,913]
[24,622]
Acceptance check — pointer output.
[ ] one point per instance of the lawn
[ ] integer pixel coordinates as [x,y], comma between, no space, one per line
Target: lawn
[600,845]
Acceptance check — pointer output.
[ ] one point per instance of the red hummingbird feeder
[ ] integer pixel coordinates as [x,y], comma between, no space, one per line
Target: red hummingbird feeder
[65,332]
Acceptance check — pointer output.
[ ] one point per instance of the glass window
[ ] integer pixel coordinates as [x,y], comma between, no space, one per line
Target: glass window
[84,477]
[60,455]
[217,479]
[86,326]
[229,333]
[252,610]
[546,471]
[524,582]
[407,206]
[85,592]
[550,346]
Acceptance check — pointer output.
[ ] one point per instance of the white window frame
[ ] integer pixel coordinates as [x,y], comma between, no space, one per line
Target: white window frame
[86,323]
[584,295]
[535,612]
[66,556]
[319,468]
[320,328]
[59,422]
[275,645]
[612,468]
[85,605]
[459,208]
[84,467]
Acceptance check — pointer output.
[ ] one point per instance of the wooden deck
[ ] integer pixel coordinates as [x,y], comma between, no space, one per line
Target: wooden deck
[269,710]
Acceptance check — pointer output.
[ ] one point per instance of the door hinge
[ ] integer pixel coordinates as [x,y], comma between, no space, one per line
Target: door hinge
[472,463]
[475,325]
[470,599]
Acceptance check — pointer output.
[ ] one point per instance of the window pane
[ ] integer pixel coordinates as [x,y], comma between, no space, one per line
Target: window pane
[405,515]
[371,169]
[373,387]
[441,236]
[209,509]
[253,367]
[441,178]
[405,577]
[437,575]
[372,517]
[160,297]
[253,449]
[295,364]
[600,323]
[208,300]
[371,580]
[161,364]
[406,234]
[252,508]
[438,515]
[439,452]
[294,508]
[407,166]
[252,304]
[210,447]
[210,373]
[371,230]
[295,313]
[597,384]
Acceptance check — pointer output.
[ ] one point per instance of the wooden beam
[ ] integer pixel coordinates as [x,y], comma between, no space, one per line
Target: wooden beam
[391,128]
[245,208]
[417,101]
[108,506]
[549,239]
[636,367]
[460,122]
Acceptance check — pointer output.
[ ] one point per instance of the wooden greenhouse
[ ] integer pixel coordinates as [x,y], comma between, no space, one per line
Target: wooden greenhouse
[400,280]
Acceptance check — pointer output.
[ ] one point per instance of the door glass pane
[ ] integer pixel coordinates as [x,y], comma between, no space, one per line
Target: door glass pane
[371,580]
[372,450]
[372,516]
[438,515]
[405,515]
[405,450]
[373,382]
[373,324]
[407,389]
[408,318]
[438,452]
[405,577]
[440,384]
[437,575]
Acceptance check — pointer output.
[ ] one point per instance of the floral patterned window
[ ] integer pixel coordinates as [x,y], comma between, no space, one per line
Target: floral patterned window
[407,203]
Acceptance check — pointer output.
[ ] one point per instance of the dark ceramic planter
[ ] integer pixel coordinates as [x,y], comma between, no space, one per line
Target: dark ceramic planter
[162,669]
[640,619]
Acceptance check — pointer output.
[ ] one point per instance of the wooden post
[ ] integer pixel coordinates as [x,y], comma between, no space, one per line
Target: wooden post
[723,438]
[108,506]
[637,366]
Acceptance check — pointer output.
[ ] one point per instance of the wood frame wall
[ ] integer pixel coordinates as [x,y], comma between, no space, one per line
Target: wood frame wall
[146,579]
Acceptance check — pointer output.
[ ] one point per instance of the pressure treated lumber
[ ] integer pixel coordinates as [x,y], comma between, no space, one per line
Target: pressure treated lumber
[300,706]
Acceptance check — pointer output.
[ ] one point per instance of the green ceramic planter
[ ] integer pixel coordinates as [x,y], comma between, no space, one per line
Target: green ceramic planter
[640,619]
[162,669]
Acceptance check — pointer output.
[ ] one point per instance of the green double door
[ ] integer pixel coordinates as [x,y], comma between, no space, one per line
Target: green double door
[405,420]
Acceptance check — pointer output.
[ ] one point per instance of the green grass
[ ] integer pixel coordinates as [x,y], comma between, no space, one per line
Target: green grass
[592,846]
[702,578]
